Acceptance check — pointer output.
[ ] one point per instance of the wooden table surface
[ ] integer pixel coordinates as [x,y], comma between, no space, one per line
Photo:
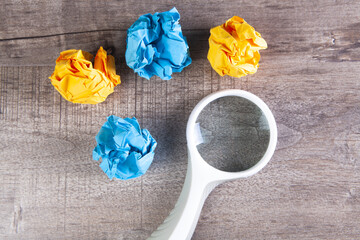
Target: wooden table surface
[50,188]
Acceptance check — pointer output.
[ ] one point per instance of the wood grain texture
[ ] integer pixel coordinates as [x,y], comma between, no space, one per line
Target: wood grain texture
[50,188]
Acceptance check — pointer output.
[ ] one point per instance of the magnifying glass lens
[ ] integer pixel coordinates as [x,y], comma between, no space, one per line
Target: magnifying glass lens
[232,134]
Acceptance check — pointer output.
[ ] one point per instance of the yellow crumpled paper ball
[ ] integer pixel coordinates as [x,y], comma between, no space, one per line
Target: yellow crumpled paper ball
[234,48]
[79,82]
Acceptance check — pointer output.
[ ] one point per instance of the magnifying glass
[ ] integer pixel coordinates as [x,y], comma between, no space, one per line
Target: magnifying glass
[230,134]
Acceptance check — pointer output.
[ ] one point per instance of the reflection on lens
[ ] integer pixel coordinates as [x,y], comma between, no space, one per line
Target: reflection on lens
[234,134]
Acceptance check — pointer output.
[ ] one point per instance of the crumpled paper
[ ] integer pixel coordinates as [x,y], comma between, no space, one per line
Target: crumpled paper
[126,150]
[78,81]
[234,48]
[156,46]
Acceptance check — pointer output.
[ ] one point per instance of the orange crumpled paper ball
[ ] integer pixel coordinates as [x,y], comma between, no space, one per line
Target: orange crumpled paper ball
[234,48]
[78,81]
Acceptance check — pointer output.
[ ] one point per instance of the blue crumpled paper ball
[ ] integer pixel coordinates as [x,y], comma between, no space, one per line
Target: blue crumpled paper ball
[156,46]
[127,151]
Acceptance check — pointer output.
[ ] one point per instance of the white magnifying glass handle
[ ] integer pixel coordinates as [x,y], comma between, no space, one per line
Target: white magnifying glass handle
[181,223]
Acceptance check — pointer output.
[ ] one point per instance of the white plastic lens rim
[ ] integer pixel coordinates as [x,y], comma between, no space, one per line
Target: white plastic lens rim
[190,135]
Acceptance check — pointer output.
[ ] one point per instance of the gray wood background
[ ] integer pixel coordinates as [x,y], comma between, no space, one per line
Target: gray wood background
[50,188]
